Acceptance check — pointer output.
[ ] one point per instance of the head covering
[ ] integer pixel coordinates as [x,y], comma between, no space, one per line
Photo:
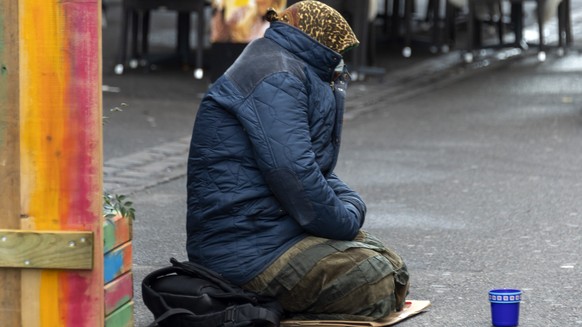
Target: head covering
[320,21]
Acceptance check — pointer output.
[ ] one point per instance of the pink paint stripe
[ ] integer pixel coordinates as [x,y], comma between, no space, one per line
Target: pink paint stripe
[118,292]
[83,95]
[82,138]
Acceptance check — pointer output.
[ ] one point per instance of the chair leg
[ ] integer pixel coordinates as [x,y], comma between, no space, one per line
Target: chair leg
[561,26]
[436,30]
[540,13]
[500,24]
[145,32]
[395,29]
[371,52]
[471,45]
[359,21]
[430,10]
[201,17]
[517,22]
[474,27]
[450,17]
[568,22]
[122,49]
[183,41]
[407,51]
[134,38]
[385,17]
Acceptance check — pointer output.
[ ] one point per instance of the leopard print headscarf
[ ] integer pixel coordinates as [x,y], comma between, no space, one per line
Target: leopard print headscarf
[320,21]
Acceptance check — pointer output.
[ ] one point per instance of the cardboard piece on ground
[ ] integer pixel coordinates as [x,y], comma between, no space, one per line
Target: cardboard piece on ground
[411,308]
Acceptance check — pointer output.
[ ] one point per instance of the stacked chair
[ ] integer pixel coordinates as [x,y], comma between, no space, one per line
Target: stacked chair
[516,22]
[135,26]
[403,19]
[445,18]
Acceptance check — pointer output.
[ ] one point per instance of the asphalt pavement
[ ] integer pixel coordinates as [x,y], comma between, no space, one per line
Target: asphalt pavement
[472,172]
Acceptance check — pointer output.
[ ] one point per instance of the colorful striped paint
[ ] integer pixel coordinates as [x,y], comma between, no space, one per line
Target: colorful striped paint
[117,262]
[118,292]
[122,317]
[116,231]
[61,150]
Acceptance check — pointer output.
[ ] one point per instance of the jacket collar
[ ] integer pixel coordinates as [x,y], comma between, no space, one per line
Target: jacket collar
[320,58]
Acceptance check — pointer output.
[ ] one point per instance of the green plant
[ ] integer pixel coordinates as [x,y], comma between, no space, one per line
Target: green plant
[115,204]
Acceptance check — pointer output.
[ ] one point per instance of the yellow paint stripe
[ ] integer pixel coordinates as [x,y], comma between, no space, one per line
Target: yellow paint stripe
[49,299]
[42,129]
[42,123]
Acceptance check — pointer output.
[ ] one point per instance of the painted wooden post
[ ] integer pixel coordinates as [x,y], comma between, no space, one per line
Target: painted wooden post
[50,164]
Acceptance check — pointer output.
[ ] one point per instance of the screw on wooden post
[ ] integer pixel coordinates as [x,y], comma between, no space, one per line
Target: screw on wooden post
[46,249]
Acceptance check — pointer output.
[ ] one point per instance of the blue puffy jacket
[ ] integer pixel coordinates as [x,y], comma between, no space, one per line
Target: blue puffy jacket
[264,146]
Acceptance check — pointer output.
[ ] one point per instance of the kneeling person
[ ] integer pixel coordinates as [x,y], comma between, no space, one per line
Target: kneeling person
[265,208]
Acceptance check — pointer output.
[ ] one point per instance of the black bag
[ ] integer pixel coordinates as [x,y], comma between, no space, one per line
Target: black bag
[187,294]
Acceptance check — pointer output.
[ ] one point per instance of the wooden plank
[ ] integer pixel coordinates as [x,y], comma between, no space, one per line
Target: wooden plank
[42,249]
[9,153]
[117,262]
[116,231]
[9,117]
[123,317]
[118,292]
[61,152]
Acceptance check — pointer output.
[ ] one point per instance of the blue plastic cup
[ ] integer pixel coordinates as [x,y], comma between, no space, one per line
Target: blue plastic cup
[505,307]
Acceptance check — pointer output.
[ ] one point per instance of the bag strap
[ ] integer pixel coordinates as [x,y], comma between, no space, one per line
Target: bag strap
[230,317]
[231,291]
[196,270]
[201,271]
[168,314]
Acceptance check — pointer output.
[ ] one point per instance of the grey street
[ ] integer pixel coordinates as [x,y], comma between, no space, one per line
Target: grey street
[473,172]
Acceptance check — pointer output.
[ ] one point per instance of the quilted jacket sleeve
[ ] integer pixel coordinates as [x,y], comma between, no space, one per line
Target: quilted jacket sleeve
[275,117]
[350,198]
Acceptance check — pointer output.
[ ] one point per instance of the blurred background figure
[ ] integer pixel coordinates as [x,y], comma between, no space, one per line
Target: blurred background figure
[241,21]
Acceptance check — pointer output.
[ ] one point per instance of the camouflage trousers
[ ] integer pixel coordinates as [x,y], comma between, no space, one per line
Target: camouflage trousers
[324,279]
